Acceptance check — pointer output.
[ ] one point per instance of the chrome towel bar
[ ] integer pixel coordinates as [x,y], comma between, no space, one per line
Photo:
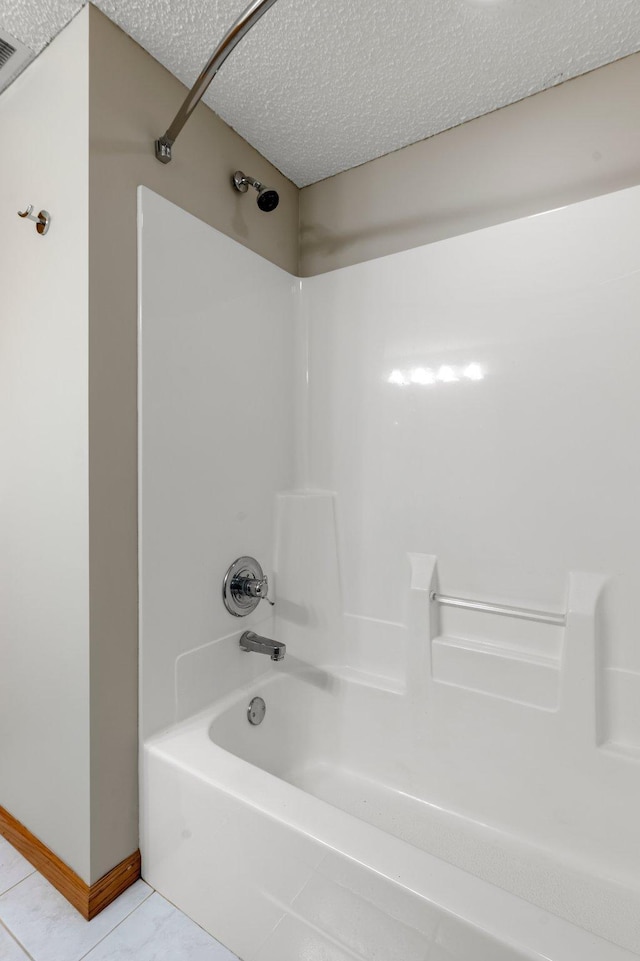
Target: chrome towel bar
[525,614]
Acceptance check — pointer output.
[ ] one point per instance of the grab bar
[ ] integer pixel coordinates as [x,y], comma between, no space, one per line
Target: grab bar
[524,613]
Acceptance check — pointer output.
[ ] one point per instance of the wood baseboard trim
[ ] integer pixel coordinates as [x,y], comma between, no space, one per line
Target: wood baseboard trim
[112,884]
[89,900]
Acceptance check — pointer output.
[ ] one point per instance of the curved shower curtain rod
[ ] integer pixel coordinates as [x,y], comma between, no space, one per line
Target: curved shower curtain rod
[231,39]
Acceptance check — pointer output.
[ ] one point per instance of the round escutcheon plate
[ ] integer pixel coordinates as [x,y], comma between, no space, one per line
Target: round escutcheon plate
[256,711]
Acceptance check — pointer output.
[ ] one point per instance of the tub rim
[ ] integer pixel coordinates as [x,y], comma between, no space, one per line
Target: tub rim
[520,925]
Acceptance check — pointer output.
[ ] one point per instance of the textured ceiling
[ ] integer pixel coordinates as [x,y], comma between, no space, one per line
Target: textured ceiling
[319,86]
[35,22]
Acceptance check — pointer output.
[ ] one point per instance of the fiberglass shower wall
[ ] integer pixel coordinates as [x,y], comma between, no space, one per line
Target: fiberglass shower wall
[477,400]
[472,400]
[216,443]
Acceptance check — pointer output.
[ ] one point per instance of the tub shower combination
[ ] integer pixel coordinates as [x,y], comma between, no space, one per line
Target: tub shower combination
[381,765]
[425,745]
[403,722]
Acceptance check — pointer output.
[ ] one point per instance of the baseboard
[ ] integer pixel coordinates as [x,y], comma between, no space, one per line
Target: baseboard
[89,900]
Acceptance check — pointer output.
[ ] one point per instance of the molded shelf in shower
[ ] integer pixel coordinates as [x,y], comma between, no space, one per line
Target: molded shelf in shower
[497,671]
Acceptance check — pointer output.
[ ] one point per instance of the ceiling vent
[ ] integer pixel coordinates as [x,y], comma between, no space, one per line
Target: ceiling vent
[14,57]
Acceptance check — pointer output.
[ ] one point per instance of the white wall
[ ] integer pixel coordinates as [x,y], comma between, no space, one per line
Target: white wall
[44,596]
[514,472]
[216,444]
[511,480]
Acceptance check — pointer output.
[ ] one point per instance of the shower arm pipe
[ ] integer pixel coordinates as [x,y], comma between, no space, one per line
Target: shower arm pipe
[231,39]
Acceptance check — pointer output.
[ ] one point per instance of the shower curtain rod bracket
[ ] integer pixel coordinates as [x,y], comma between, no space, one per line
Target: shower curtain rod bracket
[163,150]
[233,36]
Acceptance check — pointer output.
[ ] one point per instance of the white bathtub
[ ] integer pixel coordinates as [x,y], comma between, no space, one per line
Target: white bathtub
[300,839]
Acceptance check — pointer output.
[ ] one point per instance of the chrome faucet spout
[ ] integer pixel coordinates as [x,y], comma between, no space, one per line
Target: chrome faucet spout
[250,641]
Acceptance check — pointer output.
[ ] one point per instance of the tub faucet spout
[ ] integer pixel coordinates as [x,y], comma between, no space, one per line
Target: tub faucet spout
[250,641]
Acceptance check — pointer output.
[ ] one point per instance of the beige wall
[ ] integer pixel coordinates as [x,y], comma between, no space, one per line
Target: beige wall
[566,144]
[44,511]
[132,101]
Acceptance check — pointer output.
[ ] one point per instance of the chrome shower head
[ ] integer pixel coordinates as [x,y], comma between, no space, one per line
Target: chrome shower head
[268,199]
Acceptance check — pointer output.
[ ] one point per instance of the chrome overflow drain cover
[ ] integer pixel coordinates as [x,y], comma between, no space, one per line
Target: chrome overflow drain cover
[256,711]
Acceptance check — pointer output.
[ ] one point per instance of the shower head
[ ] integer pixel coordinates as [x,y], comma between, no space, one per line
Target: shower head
[268,199]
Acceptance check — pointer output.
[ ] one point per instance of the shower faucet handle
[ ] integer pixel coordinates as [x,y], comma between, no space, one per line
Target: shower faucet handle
[245,585]
[259,588]
[253,586]
[264,590]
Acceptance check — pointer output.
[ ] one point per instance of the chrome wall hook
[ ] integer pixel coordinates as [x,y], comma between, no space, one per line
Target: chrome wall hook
[42,221]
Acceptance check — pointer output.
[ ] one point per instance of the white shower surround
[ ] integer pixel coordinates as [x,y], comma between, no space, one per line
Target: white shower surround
[509,749]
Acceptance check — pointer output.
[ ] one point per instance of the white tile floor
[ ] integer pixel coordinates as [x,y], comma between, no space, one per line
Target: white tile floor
[37,924]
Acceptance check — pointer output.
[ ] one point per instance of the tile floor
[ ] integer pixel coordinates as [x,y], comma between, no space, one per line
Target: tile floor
[37,924]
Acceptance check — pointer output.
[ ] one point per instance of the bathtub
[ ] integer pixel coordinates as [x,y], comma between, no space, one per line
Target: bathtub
[301,839]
